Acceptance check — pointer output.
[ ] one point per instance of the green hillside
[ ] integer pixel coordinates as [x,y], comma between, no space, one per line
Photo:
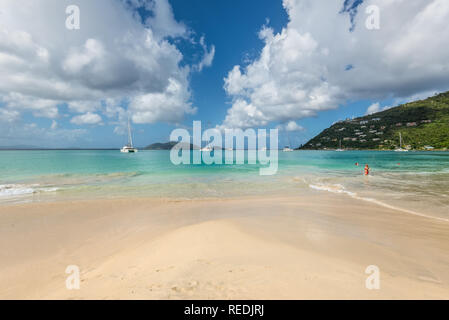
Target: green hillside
[167,145]
[161,146]
[423,124]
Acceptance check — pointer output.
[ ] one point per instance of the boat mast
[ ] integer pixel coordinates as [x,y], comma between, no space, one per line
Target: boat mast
[130,138]
[400,140]
[289,141]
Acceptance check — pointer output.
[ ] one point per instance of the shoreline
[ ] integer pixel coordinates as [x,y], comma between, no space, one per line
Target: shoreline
[314,246]
[312,190]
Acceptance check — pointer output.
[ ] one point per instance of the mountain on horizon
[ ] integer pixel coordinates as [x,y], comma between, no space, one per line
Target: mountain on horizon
[19,147]
[164,146]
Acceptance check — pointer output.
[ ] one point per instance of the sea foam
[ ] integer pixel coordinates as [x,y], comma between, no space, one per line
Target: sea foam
[340,189]
[16,190]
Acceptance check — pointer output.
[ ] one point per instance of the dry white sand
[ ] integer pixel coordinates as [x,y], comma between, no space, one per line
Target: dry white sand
[315,246]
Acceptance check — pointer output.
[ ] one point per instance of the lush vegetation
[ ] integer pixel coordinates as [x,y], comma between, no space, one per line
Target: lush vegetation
[423,124]
[161,146]
[167,146]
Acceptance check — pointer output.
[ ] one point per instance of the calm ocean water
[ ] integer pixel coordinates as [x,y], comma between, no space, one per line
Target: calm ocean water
[415,181]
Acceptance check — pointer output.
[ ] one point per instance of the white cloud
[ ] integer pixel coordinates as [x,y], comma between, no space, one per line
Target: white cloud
[88,118]
[91,53]
[244,115]
[84,106]
[54,125]
[165,106]
[293,126]
[208,55]
[316,63]
[113,56]
[14,101]
[31,134]
[374,108]
[290,126]
[164,23]
[7,115]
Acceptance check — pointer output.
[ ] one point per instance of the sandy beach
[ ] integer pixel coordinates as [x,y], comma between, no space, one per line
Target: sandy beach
[309,247]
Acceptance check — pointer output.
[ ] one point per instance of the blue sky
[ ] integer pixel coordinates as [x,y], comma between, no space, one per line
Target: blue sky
[233,27]
[298,65]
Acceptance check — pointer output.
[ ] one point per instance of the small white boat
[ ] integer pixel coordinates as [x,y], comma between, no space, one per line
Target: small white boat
[207,149]
[287,148]
[340,149]
[400,149]
[129,148]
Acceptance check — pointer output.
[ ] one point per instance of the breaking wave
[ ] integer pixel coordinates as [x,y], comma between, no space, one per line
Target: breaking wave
[17,190]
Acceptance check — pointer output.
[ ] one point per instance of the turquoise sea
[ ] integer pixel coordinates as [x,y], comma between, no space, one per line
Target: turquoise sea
[417,182]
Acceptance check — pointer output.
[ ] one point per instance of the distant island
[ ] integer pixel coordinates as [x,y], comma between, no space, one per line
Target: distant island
[424,125]
[166,146]
[19,147]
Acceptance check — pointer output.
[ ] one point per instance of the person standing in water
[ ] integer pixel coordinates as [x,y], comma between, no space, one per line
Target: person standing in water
[366,170]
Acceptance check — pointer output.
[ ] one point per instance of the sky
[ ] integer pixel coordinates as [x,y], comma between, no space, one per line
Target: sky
[295,65]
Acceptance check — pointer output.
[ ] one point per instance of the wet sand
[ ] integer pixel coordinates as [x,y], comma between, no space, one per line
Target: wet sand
[315,246]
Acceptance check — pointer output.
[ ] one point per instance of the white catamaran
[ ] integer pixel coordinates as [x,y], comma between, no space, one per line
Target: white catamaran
[400,149]
[129,148]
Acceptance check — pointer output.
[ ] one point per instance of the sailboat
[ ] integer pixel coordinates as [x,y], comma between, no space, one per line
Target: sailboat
[340,149]
[400,149]
[287,148]
[129,148]
[207,148]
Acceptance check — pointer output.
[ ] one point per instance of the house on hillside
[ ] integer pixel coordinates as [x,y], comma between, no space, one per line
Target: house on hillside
[412,124]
